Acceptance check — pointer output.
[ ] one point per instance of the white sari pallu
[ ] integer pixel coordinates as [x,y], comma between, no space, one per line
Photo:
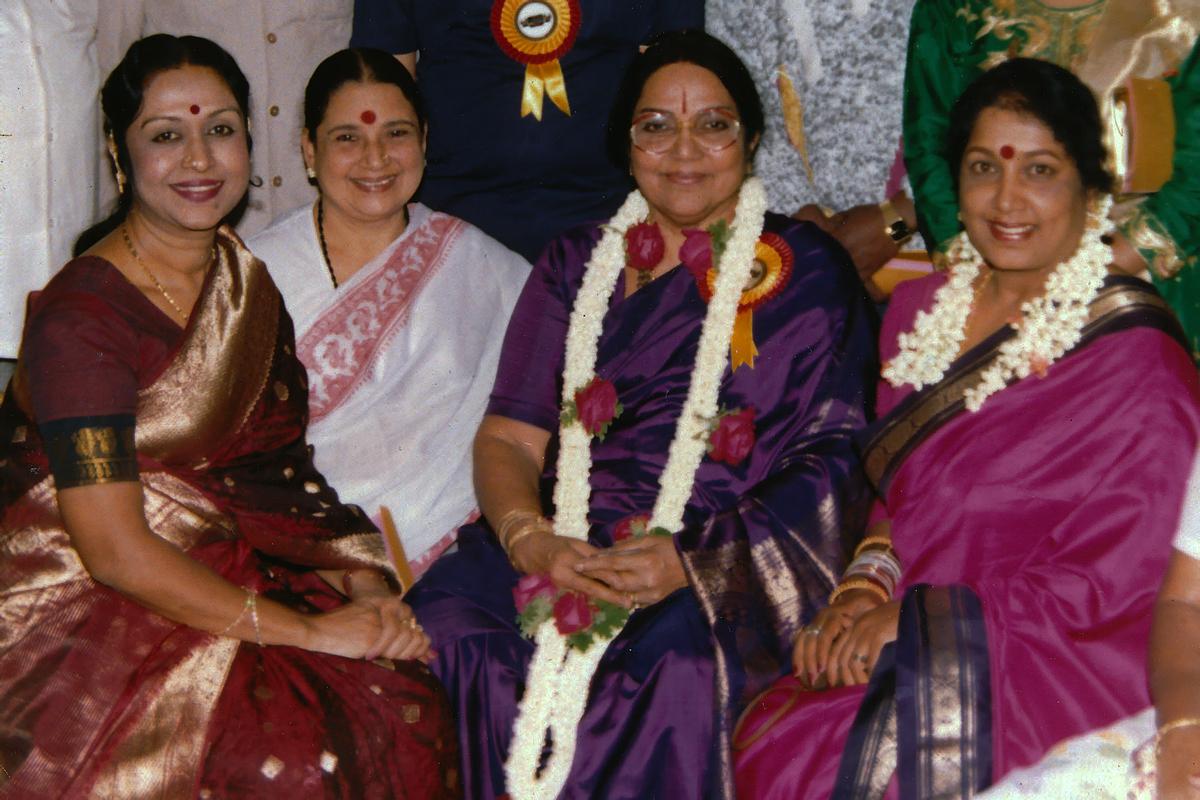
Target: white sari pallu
[401,359]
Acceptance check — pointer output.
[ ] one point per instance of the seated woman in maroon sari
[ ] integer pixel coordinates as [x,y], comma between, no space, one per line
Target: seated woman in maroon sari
[1037,427]
[172,566]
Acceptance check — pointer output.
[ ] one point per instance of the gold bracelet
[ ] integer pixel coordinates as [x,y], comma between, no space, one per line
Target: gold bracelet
[252,603]
[859,583]
[1173,725]
[540,525]
[514,518]
[886,541]
[245,606]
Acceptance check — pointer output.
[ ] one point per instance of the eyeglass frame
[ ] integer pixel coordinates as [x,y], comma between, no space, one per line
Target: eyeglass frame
[732,117]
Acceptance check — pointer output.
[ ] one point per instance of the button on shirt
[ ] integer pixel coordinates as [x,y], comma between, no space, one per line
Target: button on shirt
[278,44]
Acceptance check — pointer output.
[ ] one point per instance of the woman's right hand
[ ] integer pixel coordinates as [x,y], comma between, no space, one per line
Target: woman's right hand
[810,655]
[370,628]
[556,556]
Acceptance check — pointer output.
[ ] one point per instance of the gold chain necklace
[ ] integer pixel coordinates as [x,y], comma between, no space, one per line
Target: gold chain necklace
[153,278]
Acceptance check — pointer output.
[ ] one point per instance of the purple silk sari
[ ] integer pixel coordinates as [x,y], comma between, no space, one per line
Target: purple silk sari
[762,543]
[1033,534]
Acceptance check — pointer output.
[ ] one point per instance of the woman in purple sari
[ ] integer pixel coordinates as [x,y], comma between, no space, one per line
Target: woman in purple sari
[758,538]
[1030,480]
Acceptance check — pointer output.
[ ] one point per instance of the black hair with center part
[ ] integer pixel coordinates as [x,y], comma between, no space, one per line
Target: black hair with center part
[121,101]
[1048,93]
[356,65]
[684,47]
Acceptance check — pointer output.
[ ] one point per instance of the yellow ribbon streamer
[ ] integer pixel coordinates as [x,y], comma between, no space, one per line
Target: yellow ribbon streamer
[544,79]
[742,349]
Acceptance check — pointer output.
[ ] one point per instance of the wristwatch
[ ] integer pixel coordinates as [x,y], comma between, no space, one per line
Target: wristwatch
[894,224]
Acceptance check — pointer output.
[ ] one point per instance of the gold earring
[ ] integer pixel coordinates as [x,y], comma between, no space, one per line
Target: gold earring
[118,173]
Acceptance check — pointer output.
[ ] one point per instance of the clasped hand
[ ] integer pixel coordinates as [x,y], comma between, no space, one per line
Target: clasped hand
[371,627]
[842,643]
[631,573]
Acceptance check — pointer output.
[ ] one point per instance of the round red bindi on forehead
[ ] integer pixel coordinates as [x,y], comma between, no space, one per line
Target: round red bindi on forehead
[195,109]
[367,116]
[1007,151]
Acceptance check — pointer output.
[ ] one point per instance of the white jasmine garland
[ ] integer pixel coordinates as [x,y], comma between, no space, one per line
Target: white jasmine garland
[1050,324]
[559,676]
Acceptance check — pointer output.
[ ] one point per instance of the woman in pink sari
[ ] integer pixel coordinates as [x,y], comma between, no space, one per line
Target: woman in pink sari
[1030,483]
[186,609]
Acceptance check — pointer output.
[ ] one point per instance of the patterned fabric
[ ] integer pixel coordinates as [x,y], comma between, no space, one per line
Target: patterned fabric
[99,696]
[400,359]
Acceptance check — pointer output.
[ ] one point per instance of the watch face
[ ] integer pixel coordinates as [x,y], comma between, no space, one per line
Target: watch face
[898,230]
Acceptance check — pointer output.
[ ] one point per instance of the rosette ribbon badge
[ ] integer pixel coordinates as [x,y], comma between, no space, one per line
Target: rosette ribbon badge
[537,33]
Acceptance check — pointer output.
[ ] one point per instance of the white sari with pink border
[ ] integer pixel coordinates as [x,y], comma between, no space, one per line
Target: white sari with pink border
[401,360]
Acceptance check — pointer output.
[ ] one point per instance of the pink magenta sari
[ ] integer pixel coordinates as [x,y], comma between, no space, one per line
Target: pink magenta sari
[1033,536]
[100,697]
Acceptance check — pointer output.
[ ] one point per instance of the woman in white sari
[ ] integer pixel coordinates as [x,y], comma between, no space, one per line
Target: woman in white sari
[399,310]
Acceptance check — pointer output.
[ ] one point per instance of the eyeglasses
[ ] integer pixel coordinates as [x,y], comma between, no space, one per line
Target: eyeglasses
[713,129]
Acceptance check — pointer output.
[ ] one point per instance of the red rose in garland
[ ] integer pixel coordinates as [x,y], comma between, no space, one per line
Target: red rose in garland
[732,437]
[644,246]
[631,528]
[596,406]
[572,613]
[696,253]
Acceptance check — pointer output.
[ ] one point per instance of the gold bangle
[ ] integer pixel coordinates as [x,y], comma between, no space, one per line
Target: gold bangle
[859,583]
[1173,725]
[880,539]
[512,519]
[540,525]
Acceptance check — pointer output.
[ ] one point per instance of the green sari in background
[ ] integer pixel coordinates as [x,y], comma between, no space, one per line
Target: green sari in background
[1112,45]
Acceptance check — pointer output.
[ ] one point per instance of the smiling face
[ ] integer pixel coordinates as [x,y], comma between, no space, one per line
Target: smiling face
[1021,198]
[688,185]
[188,150]
[368,153]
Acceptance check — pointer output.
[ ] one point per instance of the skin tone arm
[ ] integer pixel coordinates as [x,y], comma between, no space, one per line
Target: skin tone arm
[1175,676]
[409,60]
[109,531]
[860,230]
[509,457]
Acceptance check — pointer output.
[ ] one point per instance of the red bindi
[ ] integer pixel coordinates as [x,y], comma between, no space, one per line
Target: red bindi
[367,116]
[195,109]
[1007,151]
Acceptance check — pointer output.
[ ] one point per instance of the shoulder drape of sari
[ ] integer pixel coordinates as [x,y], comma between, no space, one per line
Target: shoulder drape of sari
[100,696]
[401,357]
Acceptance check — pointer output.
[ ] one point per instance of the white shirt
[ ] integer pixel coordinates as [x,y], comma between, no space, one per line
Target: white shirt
[50,146]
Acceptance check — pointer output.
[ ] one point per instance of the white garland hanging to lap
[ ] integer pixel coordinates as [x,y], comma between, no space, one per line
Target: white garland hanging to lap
[559,676]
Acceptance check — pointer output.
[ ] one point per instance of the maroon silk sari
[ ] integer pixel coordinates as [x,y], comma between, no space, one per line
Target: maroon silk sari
[1033,534]
[100,696]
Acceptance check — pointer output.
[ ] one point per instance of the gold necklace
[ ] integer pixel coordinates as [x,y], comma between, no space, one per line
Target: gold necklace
[153,278]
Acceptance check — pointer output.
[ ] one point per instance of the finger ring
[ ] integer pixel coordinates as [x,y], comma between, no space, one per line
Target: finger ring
[860,658]
[816,631]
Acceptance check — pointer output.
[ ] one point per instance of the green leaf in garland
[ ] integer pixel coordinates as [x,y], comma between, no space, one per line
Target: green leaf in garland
[719,231]
[581,640]
[659,530]
[538,611]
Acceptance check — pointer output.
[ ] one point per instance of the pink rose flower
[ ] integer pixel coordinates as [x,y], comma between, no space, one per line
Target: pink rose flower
[531,587]
[696,253]
[733,438]
[644,245]
[597,406]
[572,613]
[630,527]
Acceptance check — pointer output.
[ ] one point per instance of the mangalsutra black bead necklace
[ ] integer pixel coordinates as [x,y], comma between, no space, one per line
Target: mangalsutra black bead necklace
[321,236]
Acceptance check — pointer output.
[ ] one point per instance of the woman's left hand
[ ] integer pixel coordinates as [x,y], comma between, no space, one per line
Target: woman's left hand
[855,652]
[401,637]
[645,569]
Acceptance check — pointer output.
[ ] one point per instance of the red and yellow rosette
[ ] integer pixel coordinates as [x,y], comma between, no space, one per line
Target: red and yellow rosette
[772,270]
[537,33]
